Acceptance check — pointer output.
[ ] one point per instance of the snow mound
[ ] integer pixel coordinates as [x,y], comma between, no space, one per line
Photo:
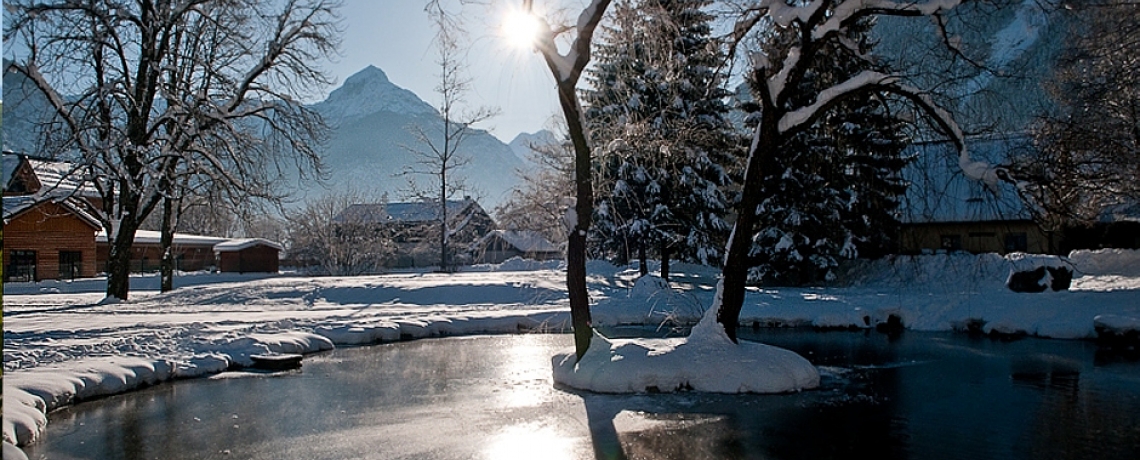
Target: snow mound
[668,365]
[1121,262]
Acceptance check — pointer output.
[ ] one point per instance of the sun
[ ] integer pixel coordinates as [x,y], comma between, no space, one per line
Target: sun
[520,29]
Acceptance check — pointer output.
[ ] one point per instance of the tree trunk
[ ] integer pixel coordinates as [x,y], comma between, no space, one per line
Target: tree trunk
[166,269]
[576,247]
[119,261]
[642,265]
[735,273]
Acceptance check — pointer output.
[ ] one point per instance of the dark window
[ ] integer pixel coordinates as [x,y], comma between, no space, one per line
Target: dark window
[1016,242]
[952,242]
[21,266]
[70,265]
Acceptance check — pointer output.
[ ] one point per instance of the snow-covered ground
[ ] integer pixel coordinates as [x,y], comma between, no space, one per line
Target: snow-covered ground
[61,345]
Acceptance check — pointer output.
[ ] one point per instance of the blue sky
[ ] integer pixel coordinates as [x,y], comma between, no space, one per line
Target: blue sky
[396,36]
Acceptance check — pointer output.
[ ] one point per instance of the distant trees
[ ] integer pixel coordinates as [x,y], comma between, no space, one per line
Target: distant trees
[656,96]
[539,203]
[1088,151]
[441,158]
[156,95]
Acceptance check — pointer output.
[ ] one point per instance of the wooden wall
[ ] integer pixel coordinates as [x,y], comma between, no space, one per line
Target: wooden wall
[49,229]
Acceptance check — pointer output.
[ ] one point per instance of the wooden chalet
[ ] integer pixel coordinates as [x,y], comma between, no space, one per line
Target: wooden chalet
[48,232]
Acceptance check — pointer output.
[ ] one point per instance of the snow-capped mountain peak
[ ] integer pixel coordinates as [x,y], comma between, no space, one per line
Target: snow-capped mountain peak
[369,91]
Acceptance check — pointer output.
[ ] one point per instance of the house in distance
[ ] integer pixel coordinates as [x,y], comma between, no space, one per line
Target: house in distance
[413,227]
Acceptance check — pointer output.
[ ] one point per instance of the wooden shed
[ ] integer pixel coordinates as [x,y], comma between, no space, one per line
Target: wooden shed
[253,255]
[47,239]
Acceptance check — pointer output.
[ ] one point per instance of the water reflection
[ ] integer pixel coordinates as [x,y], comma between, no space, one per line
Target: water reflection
[925,396]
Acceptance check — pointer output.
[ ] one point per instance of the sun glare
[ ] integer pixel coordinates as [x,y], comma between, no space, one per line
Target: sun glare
[520,29]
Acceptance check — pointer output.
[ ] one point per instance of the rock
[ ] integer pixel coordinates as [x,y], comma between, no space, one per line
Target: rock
[1028,281]
[1062,278]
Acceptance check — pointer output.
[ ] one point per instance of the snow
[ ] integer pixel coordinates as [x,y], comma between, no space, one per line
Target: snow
[245,243]
[155,237]
[63,346]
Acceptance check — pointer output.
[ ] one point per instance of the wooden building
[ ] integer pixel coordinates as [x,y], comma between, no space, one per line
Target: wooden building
[191,252]
[253,255]
[945,211]
[47,239]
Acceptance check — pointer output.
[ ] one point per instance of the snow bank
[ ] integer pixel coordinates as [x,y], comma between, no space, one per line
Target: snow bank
[1120,262]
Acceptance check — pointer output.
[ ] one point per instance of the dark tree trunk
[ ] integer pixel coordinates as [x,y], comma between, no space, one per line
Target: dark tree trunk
[119,261]
[642,265]
[737,263]
[583,208]
[166,269]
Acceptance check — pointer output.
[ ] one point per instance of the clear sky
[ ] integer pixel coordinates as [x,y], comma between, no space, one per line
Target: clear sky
[396,36]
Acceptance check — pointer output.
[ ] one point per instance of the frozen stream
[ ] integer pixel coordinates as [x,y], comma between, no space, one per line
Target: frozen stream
[922,395]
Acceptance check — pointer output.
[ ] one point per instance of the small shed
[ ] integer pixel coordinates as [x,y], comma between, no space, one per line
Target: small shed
[251,255]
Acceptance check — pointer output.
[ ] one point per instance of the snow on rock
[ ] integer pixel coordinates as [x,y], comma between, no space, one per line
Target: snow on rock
[11,452]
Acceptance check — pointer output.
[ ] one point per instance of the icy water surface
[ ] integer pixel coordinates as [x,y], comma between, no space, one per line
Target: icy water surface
[919,396]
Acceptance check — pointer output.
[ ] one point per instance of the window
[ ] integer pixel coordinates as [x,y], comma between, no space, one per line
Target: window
[952,242]
[21,266]
[70,265]
[1016,242]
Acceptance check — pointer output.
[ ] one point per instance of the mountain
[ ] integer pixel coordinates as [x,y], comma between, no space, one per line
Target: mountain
[524,144]
[25,110]
[371,141]
[1012,45]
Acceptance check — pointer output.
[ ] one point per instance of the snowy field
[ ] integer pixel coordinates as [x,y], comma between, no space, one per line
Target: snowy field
[61,345]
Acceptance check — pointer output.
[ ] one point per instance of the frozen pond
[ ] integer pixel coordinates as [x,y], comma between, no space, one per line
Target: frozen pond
[920,395]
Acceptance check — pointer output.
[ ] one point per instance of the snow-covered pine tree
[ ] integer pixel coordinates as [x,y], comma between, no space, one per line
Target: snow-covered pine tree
[833,191]
[656,99]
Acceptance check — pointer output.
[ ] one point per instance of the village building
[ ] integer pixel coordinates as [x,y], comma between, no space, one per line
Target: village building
[500,245]
[414,228]
[191,252]
[47,238]
[944,211]
[250,255]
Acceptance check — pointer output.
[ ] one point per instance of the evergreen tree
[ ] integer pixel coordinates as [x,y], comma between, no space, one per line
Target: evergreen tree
[833,192]
[656,102]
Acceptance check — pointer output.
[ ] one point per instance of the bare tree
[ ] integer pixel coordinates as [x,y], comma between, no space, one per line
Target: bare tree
[1088,155]
[439,157]
[816,25]
[147,91]
[539,203]
[567,68]
[341,239]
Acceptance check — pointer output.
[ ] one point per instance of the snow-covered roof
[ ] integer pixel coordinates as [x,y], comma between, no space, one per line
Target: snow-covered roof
[57,178]
[180,239]
[522,240]
[410,212]
[940,192]
[245,243]
[16,205]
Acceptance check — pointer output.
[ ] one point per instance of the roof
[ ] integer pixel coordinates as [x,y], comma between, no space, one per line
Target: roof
[180,239]
[938,191]
[410,212]
[245,243]
[16,205]
[522,240]
[57,178]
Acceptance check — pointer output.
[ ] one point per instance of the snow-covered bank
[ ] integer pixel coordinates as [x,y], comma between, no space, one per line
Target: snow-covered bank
[60,347]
